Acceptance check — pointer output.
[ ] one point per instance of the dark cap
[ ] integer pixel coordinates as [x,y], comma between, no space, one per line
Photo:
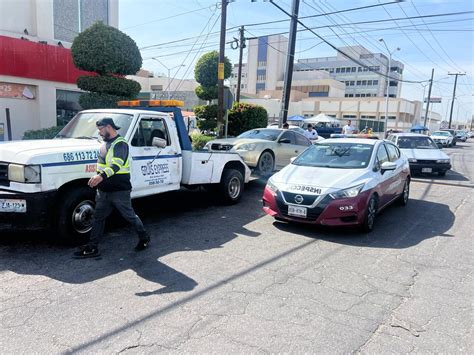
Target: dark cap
[106,121]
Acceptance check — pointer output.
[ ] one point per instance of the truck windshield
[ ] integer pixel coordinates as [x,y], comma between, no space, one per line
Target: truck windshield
[82,126]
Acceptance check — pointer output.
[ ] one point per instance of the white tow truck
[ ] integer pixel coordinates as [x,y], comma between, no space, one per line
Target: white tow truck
[43,183]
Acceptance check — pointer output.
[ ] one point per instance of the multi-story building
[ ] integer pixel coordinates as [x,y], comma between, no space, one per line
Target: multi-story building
[37,75]
[266,61]
[368,80]
[234,77]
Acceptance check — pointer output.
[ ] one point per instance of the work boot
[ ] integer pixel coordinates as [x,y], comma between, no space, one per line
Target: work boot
[143,242]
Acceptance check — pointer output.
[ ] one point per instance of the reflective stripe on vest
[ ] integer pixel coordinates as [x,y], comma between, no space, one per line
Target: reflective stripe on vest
[111,160]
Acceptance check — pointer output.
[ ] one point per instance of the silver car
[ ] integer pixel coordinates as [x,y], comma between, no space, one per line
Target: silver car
[264,149]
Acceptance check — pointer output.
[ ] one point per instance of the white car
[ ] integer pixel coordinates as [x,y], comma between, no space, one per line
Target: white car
[443,137]
[422,152]
[339,182]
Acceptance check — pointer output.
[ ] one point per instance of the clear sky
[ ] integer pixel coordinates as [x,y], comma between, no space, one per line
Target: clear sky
[445,43]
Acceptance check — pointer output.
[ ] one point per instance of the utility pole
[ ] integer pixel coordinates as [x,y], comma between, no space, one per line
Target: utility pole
[241,53]
[220,71]
[429,97]
[289,63]
[454,95]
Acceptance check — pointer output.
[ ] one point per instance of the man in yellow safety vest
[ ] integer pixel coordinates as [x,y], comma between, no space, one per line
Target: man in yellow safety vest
[113,189]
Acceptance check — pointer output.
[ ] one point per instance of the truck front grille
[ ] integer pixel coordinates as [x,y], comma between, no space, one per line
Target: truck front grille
[4,174]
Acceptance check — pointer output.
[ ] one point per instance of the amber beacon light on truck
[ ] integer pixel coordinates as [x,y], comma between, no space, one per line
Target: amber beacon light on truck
[150,103]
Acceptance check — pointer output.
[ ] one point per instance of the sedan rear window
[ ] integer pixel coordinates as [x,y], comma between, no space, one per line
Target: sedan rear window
[336,155]
[416,143]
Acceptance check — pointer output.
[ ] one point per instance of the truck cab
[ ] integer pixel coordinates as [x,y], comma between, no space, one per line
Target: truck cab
[43,183]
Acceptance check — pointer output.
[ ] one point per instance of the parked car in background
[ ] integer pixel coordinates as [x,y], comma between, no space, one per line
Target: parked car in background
[443,138]
[461,136]
[422,152]
[264,149]
[339,182]
[452,132]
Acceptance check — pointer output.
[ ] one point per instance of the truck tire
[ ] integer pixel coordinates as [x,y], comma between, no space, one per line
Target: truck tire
[231,186]
[75,212]
[266,164]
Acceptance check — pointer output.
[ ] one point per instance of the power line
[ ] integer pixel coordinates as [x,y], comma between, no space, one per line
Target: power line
[355,23]
[339,51]
[168,17]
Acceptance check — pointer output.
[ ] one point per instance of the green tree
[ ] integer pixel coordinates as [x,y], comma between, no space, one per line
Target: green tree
[207,117]
[243,117]
[111,54]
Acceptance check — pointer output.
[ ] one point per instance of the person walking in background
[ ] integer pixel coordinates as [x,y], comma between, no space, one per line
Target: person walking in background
[348,128]
[311,133]
[286,125]
[113,189]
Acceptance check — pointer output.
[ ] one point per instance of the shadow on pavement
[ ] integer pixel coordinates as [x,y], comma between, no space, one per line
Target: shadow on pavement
[396,227]
[172,228]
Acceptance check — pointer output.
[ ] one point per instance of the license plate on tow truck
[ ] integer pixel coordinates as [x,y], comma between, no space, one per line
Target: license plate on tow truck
[297,211]
[8,205]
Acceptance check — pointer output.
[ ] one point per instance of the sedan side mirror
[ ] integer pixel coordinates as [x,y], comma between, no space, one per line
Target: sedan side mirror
[159,142]
[388,165]
[284,140]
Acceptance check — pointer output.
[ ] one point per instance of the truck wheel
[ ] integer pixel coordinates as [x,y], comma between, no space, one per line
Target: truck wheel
[266,164]
[231,186]
[75,215]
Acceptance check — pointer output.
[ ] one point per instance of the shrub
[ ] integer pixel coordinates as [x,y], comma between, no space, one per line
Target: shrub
[91,100]
[207,117]
[205,71]
[104,49]
[207,93]
[109,85]
[243,117]
[199,140]
[45,133]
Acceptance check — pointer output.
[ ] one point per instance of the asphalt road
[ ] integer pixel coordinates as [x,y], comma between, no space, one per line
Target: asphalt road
[230,279]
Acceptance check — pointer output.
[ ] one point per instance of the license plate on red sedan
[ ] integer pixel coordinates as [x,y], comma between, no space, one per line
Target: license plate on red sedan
[297,211]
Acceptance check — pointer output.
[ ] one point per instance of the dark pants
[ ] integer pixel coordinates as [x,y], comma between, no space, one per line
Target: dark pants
[104,203]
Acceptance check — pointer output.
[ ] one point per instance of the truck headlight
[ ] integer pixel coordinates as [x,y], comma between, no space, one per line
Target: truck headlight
[443,161]
[347,193]
[247,146]
[24,173]
[412,160]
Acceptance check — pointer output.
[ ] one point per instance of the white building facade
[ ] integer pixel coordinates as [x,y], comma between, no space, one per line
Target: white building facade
[37,76]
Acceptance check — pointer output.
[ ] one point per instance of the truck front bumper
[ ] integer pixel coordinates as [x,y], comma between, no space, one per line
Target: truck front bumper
[38,215]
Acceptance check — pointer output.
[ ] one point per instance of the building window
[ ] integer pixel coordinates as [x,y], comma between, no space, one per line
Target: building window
[331,70]
[74,16]
[364,82]
[357,95]
[375,82]
[358,82]
[353,69]
[359,69]
[393,83]
[67,106]
[338,70]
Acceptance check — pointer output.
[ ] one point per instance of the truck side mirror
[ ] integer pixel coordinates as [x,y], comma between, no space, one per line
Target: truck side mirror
[159,142]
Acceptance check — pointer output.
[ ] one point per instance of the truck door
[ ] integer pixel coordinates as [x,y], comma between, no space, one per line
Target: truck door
[154,169]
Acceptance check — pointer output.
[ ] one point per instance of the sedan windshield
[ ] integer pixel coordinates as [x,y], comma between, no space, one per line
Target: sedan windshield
[416,143]
[268,134]
[82,126]
[336,155]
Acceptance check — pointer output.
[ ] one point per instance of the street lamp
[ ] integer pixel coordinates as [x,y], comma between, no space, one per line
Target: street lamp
[169,70]
[388,82]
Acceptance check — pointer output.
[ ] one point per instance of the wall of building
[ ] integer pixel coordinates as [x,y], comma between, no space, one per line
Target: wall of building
[401,113]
